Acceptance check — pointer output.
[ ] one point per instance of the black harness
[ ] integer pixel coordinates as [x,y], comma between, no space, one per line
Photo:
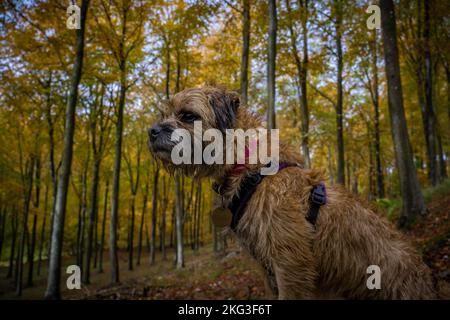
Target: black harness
[248,187]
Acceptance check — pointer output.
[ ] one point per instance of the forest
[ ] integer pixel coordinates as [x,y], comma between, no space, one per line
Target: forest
[361,88]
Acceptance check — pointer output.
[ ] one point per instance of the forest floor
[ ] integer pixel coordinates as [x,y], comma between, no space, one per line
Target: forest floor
[231,274]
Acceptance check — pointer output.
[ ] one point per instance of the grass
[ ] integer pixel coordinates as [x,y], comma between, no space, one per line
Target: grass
[437,191]
[392,206]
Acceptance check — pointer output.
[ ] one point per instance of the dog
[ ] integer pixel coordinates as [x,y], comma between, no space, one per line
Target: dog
[301,260]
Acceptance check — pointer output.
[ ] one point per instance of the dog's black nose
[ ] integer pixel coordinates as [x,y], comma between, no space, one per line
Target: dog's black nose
[154,131]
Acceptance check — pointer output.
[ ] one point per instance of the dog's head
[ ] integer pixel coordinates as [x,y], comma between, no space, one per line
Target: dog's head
[215,107]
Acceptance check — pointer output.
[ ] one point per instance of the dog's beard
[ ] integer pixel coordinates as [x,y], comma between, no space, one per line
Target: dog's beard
[162,149]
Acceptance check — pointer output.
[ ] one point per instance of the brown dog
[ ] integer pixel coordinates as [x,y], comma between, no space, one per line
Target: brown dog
[329,259]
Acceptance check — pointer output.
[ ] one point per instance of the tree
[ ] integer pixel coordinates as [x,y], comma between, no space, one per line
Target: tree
[134,185]
[154,212]
[430,119]
[54,274]
[245,50]
[128,18]
[413,203]
[301,64]
[102,236]
[179,220]
[27,179]
[99,126]
[36,203]
[271,64]
[340,178]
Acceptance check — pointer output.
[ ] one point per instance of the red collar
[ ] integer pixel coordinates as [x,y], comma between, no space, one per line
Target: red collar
[239,168]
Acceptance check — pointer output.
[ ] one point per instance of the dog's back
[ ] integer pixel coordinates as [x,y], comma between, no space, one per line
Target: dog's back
[350,238]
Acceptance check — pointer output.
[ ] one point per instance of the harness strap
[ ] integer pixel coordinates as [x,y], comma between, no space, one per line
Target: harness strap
[248,187]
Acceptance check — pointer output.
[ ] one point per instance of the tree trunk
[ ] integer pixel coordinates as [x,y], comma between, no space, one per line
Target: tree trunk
[116,181]
[33,230]
[340,175]
[82,214]
[2,229]
[413,203]
[162,231]
[179,223]
[301,66]
[54,274]
[54,278]
[430,123]
[376,107]
[44,223]
[271,64]
[245,51]
[154,210]
[93,207]
[131,238]
[28,187]
[53,170]
[102,238]
[14,224]
[141,227]
[96,239]
[198,210]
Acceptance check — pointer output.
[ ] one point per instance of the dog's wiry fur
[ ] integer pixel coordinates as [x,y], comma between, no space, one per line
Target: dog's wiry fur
[329,260]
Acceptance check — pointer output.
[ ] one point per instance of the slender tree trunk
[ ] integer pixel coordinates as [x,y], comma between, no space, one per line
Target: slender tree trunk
[413,203]
[93,202]
[28,187]
[271,65]
[102,237]
[14,223]
[167,68]
[198,210]
[178,67]
[303,86]
[131,238]
[44,223]
[82,214]
[376,107]
[141,227]
[116,181]
[31,255]
[33,230]
[340,176]
[52,166]
[154,211]
[372,190]
[431,127]
[162,231]
[172,233]
[54,278]
[79,250]
[179,223]
[245,51]
[301,65]
[96,239]
[2,229]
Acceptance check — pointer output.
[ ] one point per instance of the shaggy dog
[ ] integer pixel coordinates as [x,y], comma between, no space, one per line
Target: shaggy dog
[301,260]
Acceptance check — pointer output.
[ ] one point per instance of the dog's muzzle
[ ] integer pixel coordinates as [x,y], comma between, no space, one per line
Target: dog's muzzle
[159,138]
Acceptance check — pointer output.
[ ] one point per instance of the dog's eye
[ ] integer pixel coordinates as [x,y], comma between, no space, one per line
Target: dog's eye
[188,117]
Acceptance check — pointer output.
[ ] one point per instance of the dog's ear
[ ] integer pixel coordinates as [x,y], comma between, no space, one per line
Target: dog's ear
[224,104]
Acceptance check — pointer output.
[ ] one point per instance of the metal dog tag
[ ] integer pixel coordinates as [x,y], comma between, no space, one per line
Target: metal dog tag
[221,217]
